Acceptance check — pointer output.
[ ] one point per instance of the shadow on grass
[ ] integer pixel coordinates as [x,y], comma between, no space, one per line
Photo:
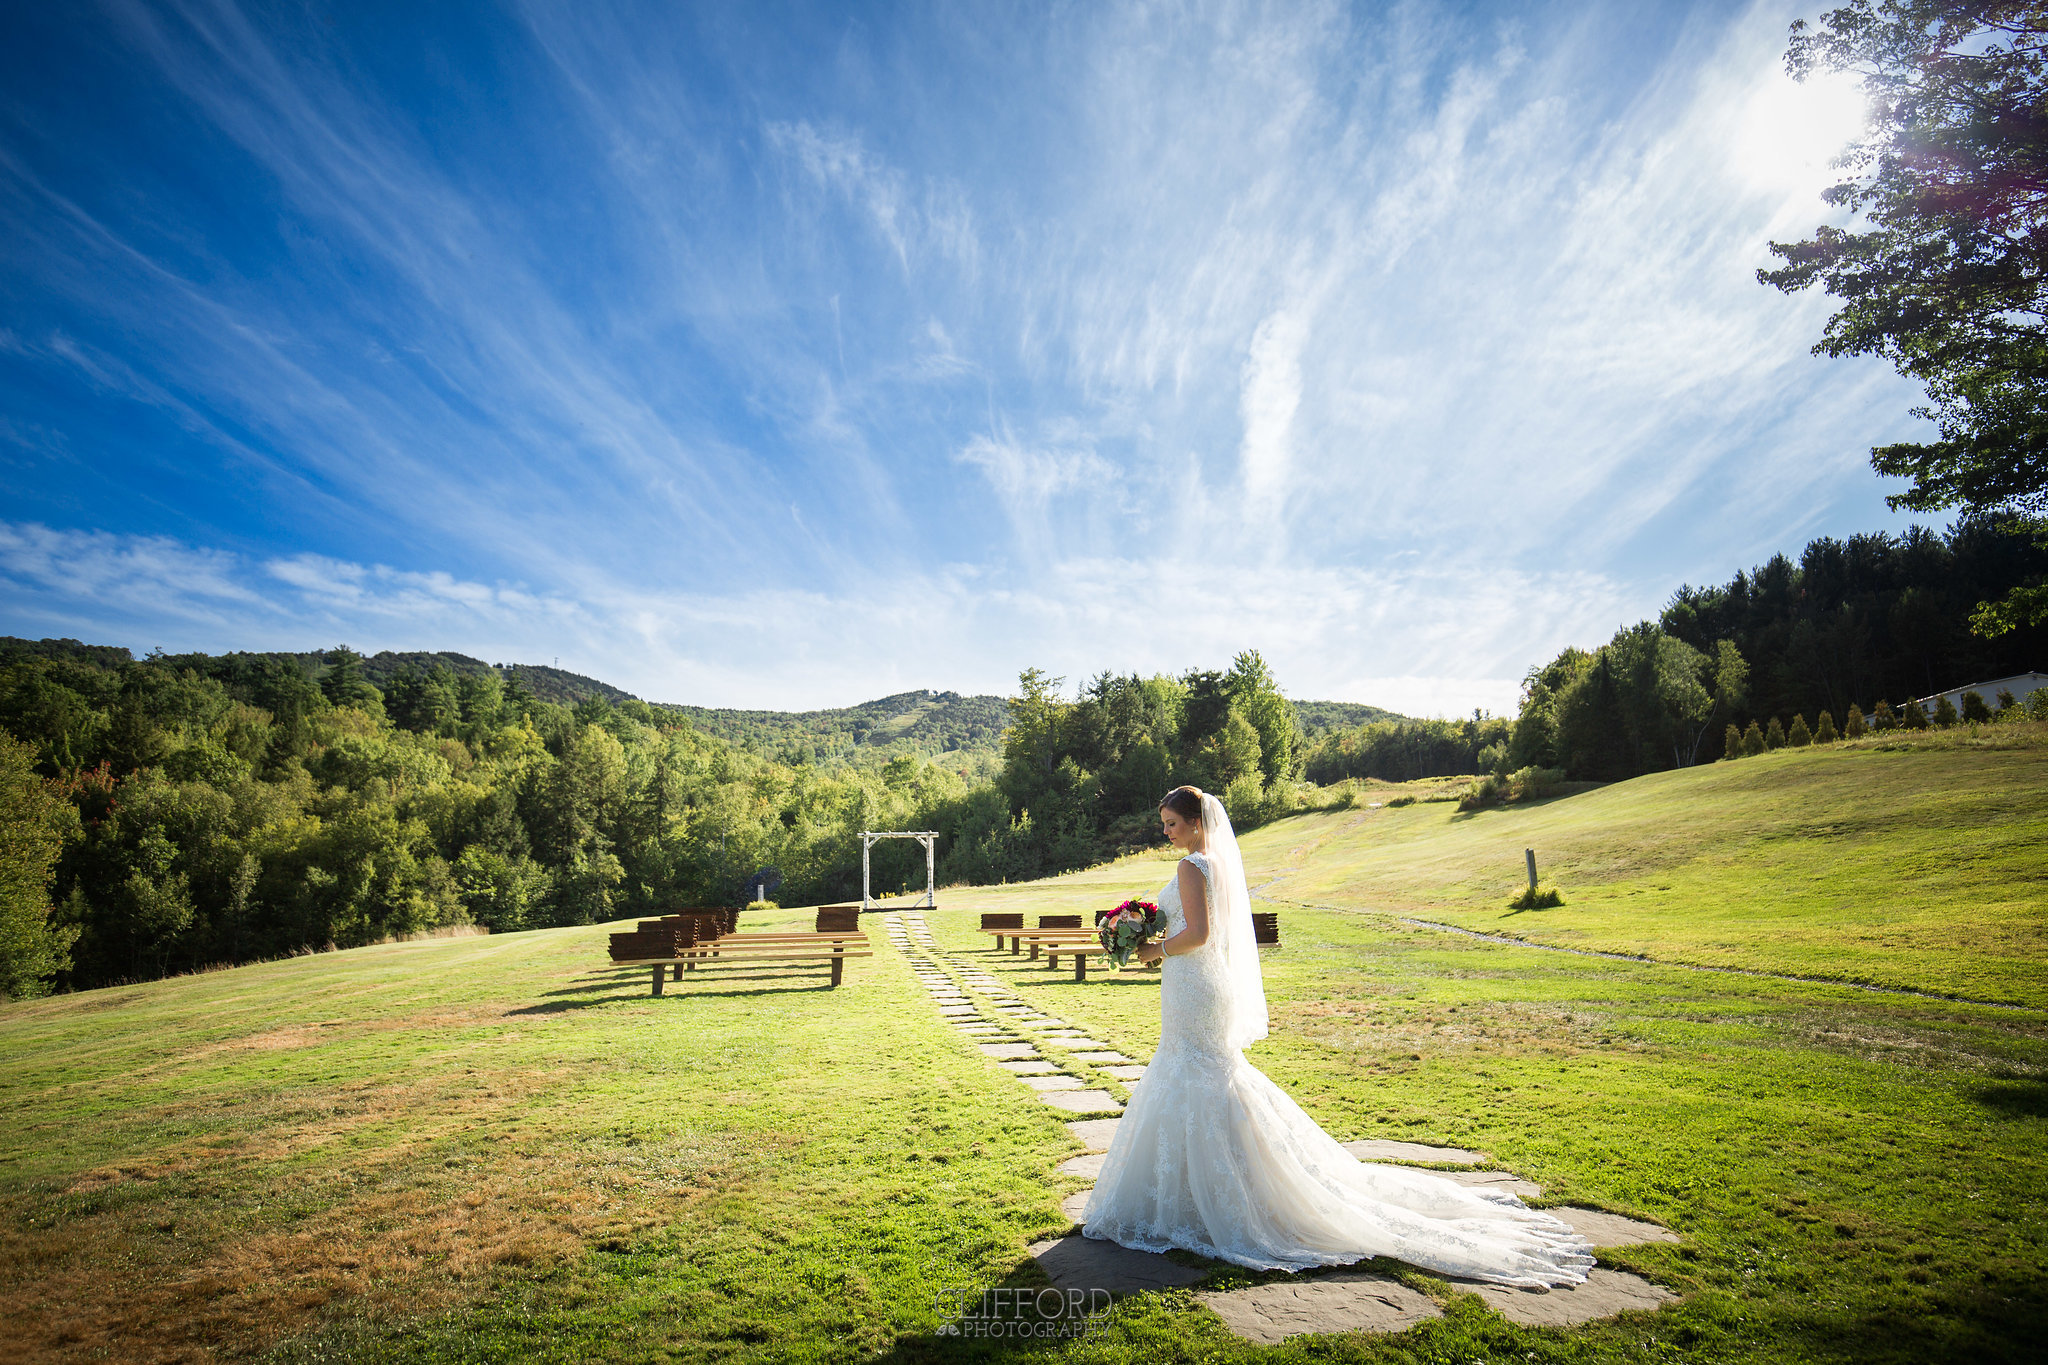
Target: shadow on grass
[2022,1098]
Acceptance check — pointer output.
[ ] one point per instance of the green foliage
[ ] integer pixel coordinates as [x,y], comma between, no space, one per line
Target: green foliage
[1944,712]
[1882,717]
[1942,270]
[1753,742]
[1854,729]
[1799,736]
[1537,898]
[32,949]
[1825,732]
[1731,743]
[1774,734]
[1913,715]
[1974,708]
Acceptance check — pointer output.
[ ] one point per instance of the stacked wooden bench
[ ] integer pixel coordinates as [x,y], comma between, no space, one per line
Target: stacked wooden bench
[691,939]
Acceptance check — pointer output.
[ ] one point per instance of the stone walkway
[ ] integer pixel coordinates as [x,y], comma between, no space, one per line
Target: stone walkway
[1082,1076]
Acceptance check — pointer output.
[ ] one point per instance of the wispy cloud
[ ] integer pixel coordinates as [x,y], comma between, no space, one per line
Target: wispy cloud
[727,356]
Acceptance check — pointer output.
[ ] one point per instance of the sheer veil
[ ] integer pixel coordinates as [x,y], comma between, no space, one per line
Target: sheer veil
[1230,930]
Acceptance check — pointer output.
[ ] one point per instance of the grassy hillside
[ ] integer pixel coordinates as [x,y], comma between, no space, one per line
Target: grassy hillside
[1914,863]
[501,1149]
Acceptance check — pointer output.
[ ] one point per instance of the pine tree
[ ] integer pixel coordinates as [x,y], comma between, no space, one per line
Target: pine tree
[1854,729]
[1731,743]
[1774,734]
[1944,713]
[1882,718]
[1912,716]
[1753,740]
[1799,736]
[1826,733]
[1974,708]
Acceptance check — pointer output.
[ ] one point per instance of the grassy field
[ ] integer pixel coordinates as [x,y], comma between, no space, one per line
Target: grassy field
[502,1150]
[1918,865]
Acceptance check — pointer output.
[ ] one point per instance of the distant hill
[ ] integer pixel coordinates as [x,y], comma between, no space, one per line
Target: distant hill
[1321,717]
[931,722]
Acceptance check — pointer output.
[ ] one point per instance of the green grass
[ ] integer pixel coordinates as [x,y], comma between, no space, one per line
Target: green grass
[1917,867]
[501,1150]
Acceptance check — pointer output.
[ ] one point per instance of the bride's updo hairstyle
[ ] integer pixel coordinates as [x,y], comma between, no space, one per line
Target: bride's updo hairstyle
[1186,802]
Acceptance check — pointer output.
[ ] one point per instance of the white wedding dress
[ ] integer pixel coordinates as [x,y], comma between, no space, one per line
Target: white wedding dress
[1214,1158]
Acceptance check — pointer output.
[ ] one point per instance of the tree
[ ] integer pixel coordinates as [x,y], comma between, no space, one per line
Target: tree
[1913,715]
[1882,717]
[31,949]
[1256,696]
[1752,741]
[1731,743]
[1825,732]
[1947,274]
[1854,729]
[1798,737]
[1774,734]
[1974,708]
[1944,712]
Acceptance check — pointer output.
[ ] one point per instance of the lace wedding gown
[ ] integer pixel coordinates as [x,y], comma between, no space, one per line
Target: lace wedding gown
[1214,1158]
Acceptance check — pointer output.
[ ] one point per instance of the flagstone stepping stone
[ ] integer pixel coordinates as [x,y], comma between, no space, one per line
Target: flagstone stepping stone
[1088,1165]
[1033,1068]
[1083,1101]
[958,1012]
[1100,1057]
[1018,1051]
[1611,1229]
[1605,1293]
[1347,1301]
[1498,1180]
[1095,1134]
[1380,1149]
[1077,1262]
[1055,1081]
[1075,1044]
[1124,1073]
[1076,1204]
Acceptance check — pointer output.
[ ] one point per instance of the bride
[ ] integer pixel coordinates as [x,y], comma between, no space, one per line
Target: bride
[1212,1157]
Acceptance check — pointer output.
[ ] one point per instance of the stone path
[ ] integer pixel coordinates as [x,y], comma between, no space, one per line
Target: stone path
[1067,1069]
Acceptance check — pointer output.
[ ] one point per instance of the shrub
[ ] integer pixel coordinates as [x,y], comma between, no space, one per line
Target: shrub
[1532,783]
[1854,729]
[1945,712]
[1882,718]
[1537,898]
[1799,736]
[763,905]
[1826,734]
[1753,740]
[1404,799]
[1774,734]
[2005,702]
[1974,707]
[2036,705]
[1912,716]
[1731,743]
[1487,791]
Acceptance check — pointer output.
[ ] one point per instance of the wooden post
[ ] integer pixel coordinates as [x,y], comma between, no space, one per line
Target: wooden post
[660,970]
[838,966]
[1530,854]
[1080,966]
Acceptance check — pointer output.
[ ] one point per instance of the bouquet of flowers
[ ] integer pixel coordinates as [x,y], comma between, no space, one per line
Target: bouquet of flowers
[1125,927]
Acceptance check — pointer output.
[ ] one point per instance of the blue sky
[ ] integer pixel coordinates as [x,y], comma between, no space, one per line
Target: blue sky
[787,356]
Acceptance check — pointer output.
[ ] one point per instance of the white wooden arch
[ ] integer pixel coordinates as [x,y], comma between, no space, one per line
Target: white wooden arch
[867,844]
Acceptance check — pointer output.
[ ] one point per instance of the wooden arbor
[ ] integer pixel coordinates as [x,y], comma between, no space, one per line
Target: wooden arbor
[867,845]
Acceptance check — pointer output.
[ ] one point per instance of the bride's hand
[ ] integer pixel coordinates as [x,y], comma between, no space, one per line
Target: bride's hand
[1150,952]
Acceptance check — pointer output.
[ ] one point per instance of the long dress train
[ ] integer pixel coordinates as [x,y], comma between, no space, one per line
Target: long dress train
[1212,1157]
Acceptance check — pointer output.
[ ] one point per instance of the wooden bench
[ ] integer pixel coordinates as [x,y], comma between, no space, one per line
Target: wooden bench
[1080,952]
[1265,927]
[743,957]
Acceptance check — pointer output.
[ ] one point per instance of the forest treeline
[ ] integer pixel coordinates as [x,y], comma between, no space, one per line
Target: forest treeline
[199,809]
[1851,623]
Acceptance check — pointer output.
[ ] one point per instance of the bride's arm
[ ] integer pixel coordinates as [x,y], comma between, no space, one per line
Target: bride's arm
[1194,907]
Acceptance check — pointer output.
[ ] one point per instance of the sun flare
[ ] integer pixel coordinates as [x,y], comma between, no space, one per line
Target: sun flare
[1792,130]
